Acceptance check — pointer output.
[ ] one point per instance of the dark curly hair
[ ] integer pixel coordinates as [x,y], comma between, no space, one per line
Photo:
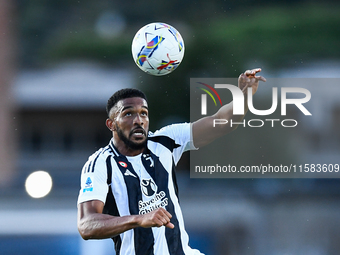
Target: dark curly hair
[122,94]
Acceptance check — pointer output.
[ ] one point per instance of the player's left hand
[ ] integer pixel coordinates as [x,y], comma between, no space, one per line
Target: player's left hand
[249,79]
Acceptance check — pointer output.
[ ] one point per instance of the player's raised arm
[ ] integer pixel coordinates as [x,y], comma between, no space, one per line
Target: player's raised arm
[203,130]
[92,224]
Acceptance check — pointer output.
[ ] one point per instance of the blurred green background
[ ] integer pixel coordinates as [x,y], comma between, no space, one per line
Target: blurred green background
[222,38]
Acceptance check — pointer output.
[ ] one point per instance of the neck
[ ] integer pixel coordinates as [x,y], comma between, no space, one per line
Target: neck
[126,150]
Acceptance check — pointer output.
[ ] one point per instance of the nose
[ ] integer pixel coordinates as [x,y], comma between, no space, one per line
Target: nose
[138,120]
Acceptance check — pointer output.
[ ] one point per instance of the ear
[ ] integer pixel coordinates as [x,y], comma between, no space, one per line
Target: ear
[110,124]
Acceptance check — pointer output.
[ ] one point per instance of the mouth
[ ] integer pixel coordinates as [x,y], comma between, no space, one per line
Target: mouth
[138,133]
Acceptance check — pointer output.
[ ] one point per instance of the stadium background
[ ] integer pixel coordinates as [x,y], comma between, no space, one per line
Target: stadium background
[61,60]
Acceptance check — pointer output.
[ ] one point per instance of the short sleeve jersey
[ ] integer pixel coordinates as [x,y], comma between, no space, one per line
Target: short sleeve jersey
[141,184]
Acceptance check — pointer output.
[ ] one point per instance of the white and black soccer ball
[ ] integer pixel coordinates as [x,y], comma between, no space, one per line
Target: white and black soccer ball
[158,48]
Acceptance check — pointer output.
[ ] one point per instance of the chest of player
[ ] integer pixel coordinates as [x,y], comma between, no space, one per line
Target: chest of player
[143,182]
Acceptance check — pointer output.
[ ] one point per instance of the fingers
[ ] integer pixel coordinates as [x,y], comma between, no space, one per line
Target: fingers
[170,225]
[260,78]
[164,217]
[248,79]
[252,74]
[157,218]
[164,222]
[244,78]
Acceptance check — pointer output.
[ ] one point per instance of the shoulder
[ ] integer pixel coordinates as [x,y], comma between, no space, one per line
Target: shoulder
[97,159]
[101,153]
[172,131]
[172,136]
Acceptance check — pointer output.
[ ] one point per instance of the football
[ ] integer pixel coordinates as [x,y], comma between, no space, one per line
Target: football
[158,49]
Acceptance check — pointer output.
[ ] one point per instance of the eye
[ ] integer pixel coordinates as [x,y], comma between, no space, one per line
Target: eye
[128,114]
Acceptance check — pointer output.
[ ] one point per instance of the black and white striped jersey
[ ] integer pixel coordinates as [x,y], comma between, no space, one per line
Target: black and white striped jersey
[138,185]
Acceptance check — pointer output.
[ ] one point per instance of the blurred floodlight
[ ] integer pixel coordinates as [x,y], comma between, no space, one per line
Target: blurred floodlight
[38,184]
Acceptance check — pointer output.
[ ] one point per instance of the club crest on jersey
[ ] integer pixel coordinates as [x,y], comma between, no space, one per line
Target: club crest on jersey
[149,188]
[148,157]
[88,185]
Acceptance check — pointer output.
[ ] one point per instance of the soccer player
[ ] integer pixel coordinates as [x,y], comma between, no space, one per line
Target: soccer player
[129,189]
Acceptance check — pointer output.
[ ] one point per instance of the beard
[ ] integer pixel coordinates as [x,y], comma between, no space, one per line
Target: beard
[130,144]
